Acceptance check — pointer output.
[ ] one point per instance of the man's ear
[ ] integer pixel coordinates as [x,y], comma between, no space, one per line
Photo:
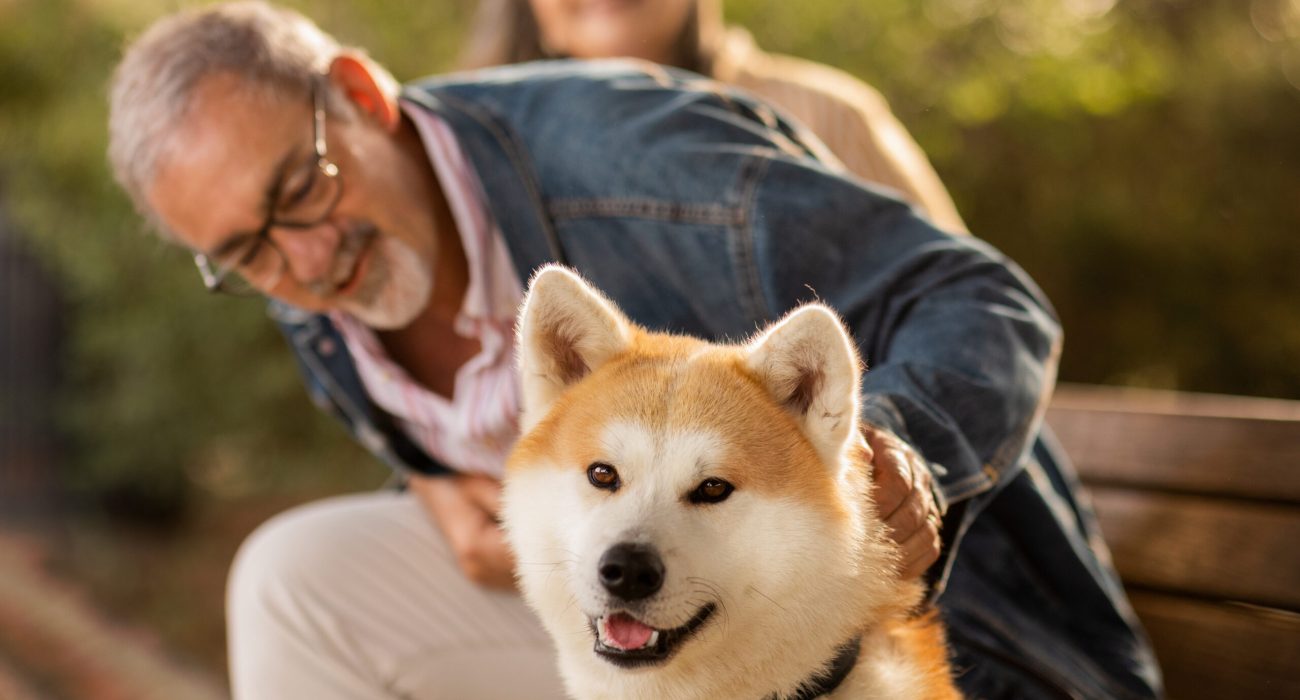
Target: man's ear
[809,366]
[566,331]
[371,88]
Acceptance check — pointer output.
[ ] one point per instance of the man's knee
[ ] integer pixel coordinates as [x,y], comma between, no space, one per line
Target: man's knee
[291,603]
[284,559]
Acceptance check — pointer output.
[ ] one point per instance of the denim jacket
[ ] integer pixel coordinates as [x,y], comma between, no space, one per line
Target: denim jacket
[699,210]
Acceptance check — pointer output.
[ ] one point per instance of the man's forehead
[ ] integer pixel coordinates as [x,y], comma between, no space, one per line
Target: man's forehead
[225,111]
[213,177]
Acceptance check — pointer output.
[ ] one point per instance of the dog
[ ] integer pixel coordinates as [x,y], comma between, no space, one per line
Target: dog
[693,520]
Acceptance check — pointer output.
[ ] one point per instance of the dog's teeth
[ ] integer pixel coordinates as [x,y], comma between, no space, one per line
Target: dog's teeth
[654,639]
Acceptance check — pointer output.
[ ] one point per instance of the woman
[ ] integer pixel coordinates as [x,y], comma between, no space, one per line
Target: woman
[852,118]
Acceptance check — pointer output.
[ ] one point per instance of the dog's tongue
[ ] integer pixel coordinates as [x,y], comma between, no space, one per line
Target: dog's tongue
[625,632]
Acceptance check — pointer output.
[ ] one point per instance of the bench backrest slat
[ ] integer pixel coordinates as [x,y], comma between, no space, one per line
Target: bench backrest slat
[1139,441]
[1201,547]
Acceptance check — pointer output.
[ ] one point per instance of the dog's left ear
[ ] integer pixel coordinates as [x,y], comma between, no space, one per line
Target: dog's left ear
[566,330]
[808,363]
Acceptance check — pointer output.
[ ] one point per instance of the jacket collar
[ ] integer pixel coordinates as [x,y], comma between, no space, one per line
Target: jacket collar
[337,387]
[514,196]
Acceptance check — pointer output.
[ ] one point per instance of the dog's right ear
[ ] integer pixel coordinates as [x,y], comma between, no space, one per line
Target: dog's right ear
[566,330]
[808,363]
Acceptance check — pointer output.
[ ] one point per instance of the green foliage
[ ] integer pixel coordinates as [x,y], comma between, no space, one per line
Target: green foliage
[168,388]
[1139,158]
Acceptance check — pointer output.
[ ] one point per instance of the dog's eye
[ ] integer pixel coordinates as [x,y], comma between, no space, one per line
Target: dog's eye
[711,491]
[603,476]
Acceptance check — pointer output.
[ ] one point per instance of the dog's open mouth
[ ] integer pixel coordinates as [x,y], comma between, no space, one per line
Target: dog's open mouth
[627,642]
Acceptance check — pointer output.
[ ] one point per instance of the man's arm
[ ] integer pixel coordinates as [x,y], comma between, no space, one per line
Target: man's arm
[961,347]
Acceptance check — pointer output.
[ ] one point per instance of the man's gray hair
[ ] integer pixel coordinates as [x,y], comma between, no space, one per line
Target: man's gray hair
[272,49]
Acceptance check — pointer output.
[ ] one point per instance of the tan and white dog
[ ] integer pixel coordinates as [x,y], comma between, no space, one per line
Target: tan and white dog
[694,520]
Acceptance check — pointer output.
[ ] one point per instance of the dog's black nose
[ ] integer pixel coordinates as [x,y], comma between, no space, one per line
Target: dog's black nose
[631,571]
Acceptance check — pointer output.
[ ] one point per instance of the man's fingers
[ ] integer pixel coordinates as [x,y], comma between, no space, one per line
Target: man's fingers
[868,452]
[457,515]
[493,563]
[902,482]
[917,503]
[460,507]
[921,549]
[909,517]
[893,480]
[485,492]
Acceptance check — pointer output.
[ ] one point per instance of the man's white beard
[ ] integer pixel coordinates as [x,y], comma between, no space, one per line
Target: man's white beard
[396,289]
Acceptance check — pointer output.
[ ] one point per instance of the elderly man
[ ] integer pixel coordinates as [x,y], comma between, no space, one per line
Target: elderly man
[393,229]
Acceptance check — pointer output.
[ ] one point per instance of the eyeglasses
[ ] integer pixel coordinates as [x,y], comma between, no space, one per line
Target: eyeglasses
[306,198]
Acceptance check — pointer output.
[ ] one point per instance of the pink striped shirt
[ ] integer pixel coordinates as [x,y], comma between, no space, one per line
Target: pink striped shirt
[474,430]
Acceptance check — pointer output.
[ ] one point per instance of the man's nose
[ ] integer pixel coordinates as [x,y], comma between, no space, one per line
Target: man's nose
[308,252]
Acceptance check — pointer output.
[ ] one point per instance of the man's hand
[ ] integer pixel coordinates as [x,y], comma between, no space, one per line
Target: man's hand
[901,484]
[465,508]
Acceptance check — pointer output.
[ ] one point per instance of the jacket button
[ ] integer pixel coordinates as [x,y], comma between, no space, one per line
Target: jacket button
[326,347]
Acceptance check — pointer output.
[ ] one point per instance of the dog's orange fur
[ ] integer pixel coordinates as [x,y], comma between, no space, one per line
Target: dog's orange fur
[668,383]
[767,453]
[921,638]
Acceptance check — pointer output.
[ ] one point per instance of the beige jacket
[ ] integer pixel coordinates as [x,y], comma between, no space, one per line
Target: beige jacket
[851,117]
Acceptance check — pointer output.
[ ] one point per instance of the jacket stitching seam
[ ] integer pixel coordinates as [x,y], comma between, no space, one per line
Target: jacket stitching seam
[746,261]
[971,486]
[707,214]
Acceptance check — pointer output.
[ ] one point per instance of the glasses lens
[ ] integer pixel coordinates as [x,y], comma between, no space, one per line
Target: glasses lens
[309,195]
[245,274]
[236,284]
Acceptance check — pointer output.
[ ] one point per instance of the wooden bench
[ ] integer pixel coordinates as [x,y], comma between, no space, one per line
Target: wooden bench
[1199,499]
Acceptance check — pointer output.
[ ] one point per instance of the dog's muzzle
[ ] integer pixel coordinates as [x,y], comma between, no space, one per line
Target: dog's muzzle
[627,642]
[632,572]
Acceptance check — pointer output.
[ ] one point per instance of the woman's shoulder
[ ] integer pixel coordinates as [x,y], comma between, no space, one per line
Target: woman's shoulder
[814,92]
[852,118]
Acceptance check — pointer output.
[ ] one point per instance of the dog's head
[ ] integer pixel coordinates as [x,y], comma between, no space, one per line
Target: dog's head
[685,515]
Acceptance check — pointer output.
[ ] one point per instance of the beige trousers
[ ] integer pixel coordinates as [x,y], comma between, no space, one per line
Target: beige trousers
[360,597]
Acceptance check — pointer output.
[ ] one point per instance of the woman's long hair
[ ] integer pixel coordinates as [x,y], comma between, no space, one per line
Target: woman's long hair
[505,31]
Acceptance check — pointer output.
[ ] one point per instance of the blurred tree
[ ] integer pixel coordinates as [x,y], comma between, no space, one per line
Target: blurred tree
[168,388]
[1138,157]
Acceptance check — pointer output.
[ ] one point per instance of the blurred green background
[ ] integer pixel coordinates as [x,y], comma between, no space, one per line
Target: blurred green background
[1140,158]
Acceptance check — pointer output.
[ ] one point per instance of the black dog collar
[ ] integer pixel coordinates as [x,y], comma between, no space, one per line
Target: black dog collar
[823,683]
